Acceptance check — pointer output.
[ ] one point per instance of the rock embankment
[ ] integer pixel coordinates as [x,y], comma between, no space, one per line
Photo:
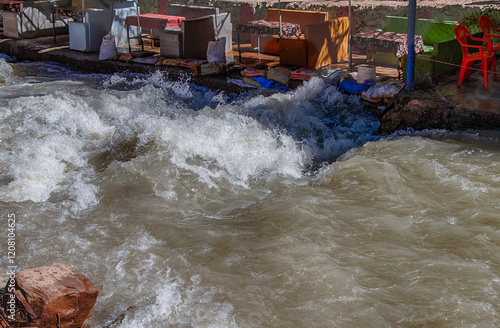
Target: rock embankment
[428,109]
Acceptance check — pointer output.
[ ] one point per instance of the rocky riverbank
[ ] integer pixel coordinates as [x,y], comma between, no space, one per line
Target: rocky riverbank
[429,109]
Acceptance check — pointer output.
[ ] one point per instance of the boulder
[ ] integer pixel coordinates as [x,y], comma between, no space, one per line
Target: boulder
[58,296]
[418,111]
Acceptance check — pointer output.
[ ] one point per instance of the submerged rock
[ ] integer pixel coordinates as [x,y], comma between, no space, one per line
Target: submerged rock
[58,296]
[115,324]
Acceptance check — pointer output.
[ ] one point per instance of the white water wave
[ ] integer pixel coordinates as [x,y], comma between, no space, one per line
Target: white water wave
[180,303]
[48,142]
[230,147]
[6,71]
[318,116]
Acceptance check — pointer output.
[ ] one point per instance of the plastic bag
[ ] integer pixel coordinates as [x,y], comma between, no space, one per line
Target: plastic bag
[216,51]
[335,76]
[108,47]
[352,87]
[270,84]
[386,89]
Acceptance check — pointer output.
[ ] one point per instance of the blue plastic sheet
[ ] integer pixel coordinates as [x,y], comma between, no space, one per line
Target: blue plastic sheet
[354,88]
[269,84]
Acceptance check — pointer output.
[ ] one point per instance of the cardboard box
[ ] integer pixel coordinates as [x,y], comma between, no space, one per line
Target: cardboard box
[171,44]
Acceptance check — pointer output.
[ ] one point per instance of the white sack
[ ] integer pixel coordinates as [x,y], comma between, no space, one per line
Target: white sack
[108,47]
[216,51]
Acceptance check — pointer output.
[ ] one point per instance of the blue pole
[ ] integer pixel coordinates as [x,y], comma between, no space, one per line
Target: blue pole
[410,67]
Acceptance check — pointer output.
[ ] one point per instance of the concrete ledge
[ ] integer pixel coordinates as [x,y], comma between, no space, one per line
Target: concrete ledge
[44,49]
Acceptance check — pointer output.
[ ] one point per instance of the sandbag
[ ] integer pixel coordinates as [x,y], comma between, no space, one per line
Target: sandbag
[122,57]
[169,62]
[210,68]
[216,51]
[192,62]
[254,72]
[108,47]
[279,74]
[303,74]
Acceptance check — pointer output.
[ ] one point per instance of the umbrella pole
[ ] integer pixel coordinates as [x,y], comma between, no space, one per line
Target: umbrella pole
[349,45]
[216,26]
[139,30]
[279,14]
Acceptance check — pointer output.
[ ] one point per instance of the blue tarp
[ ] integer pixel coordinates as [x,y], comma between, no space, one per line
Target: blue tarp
[354,88]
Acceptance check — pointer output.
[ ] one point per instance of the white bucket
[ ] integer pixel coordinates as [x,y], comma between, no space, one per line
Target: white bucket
[366,72]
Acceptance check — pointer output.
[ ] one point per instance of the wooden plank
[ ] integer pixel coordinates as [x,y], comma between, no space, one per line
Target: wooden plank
[3,322]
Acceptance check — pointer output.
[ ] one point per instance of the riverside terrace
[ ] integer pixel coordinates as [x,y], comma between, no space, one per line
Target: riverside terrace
[442,106]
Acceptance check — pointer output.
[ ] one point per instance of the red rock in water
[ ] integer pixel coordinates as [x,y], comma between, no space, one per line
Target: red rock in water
[59,296]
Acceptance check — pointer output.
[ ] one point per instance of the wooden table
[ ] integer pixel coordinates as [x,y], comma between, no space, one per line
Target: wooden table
[152,22]
[264,28]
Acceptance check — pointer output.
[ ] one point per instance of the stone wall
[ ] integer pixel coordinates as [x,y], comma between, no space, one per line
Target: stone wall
[366,15]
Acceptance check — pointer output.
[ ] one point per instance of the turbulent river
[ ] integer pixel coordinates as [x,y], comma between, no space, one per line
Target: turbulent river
[262,210]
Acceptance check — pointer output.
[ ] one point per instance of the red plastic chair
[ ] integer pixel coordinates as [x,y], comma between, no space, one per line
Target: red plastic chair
[487,57]
[488,29]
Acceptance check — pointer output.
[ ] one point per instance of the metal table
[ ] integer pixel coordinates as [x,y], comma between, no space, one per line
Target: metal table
[152,22]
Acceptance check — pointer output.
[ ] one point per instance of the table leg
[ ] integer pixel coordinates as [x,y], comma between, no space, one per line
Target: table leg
[400,68]
[54,26]
[128,40]
[239,49]
[21,18]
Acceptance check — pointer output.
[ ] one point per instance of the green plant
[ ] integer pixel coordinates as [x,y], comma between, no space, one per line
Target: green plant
[470,20]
